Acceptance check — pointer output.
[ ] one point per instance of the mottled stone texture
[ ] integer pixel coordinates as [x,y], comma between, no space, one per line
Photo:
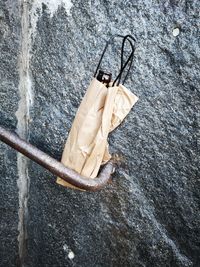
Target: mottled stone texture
[149,214]
[9,51]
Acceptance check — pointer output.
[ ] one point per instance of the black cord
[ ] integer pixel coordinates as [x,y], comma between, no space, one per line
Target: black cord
[133,50]
[130,59]
[123,65]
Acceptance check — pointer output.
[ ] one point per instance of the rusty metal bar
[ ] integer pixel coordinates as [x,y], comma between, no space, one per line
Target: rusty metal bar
[56,167]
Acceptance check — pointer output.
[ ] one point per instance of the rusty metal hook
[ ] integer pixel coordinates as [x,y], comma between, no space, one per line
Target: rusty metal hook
[56,167]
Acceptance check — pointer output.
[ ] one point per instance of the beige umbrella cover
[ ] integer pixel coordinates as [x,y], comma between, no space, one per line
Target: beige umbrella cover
[101,111]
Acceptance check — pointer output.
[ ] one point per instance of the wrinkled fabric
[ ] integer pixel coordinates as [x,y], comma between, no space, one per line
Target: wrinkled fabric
[100,112]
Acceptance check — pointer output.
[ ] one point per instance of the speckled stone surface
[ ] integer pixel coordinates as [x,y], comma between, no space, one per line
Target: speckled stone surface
[9,50]
[149,214]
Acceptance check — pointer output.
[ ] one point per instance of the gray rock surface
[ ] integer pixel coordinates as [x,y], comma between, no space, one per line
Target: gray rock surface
[9,79]
[149,214]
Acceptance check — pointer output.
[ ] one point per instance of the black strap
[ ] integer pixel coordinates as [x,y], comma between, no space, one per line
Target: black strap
[123,66]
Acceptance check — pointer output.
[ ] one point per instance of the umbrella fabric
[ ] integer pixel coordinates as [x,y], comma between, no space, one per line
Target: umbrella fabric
[100,112]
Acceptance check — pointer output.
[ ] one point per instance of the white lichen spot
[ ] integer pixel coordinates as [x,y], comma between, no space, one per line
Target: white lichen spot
[65,247]
[71,255]
[176,32]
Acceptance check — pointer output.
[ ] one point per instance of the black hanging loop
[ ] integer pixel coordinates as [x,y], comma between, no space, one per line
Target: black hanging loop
[124,65]
[128,38]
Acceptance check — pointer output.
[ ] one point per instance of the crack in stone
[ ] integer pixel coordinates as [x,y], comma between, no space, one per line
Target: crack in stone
[22,115]
[28,25]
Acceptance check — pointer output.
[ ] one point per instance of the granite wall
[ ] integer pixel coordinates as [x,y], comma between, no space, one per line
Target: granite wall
[149,214]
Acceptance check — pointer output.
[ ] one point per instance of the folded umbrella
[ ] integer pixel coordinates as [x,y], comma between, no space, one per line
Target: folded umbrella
[102,109]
